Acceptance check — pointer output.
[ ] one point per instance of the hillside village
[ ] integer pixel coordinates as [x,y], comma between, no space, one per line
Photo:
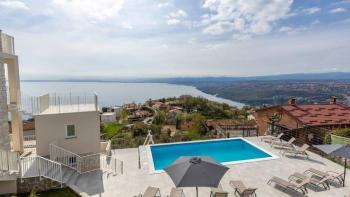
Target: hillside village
[174,119]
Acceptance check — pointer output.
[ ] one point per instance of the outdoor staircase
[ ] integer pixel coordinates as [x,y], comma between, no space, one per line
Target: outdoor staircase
[70,176]
[40,167]
[64,167]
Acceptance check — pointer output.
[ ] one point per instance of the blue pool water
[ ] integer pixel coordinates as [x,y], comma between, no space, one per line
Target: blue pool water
[232,150]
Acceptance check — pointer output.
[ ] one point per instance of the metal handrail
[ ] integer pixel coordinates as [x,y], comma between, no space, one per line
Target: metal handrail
[81,162]
[41,167]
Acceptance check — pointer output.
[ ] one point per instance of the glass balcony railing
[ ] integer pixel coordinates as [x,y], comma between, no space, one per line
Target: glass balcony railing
[59,103]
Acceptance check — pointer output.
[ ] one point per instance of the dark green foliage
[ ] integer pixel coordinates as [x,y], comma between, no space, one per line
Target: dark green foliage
[207,108]
[199,124]
[110,129]
[66,192]
[196,111]
[160,117]
[139,131]
[344,132]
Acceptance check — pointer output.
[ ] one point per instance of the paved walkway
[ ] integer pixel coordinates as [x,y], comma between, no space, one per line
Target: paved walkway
[254,174]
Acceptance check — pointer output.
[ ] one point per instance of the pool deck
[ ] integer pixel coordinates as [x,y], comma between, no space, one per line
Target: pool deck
[254,174]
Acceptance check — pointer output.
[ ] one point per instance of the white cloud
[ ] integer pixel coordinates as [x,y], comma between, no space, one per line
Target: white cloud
[192,41]
[178,14]
[174,18]
[173,21]
[292,30]
[241,37]
[165,4]
[312,10]
[341,2]
[13,4]
[337,10]
[126,25]
[245,17]
[219,28]
[315,22]
[285,29]
[96,10]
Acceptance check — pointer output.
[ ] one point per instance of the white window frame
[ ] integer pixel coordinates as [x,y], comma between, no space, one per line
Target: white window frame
[75,131]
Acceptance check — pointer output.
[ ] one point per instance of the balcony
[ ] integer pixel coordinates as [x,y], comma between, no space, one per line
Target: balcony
[7,44]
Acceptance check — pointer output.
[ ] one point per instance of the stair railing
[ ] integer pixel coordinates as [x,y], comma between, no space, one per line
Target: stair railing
[65,157]
[41,167]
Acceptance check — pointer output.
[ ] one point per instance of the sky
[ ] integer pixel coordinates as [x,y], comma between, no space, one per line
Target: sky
[109,39]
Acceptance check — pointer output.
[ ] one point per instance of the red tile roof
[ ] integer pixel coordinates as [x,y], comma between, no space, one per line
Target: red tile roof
[319,114]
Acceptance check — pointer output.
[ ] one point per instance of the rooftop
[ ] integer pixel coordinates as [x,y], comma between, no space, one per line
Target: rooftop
[60,103]
[56,109]
[319,114]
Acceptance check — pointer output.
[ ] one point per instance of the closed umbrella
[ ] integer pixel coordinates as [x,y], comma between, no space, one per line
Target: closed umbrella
[339,150]
[196,172]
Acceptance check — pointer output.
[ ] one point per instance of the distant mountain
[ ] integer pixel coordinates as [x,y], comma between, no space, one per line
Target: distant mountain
[258,90]
[296,76]
[193,80]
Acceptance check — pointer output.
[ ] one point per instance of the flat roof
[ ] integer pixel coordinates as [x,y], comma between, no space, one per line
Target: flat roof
[57,109]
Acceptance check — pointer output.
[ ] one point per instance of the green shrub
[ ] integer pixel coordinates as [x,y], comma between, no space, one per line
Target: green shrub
[343,132]
[33,193]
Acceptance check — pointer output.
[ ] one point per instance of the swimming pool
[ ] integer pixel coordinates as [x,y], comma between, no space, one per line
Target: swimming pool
[225,151]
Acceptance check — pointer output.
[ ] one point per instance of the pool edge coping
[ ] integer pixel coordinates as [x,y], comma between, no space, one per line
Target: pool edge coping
[151,163]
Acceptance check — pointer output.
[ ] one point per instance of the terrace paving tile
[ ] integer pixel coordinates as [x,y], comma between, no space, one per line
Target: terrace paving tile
[254,174]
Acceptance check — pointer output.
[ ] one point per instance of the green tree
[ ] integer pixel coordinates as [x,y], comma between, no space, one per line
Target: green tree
[199,124]
[274,118]
[160,118]
[124,114]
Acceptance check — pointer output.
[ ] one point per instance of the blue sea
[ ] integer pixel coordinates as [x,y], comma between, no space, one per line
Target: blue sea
[116,94]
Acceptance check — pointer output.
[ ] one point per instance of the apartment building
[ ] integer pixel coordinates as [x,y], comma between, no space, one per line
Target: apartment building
[66,142]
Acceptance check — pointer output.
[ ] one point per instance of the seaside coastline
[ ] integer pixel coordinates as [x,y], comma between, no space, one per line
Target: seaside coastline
[117,93]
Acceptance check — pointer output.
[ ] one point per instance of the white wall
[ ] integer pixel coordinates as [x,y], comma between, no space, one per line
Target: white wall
[4,127]
[108,117]
[52,127]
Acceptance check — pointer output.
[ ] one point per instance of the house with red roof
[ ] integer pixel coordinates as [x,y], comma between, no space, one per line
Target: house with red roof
[295,118]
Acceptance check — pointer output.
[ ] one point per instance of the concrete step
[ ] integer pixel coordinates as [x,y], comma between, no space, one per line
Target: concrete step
[67,173]
[70,176]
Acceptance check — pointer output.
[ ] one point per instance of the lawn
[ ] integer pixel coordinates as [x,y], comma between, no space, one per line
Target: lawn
[111,129]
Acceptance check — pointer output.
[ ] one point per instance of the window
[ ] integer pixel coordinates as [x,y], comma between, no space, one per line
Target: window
[70,131]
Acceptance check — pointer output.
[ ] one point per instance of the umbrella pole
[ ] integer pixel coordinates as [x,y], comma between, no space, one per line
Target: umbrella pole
[344,172]
[196,191]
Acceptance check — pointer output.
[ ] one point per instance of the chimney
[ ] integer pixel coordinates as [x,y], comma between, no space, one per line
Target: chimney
[333,100]
[291,100]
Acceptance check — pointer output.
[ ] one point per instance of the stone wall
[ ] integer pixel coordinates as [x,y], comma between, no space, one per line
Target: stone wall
[4,126]
[262,119]
[40,183]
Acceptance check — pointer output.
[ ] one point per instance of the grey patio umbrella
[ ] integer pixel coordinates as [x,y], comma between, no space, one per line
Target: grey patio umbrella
[196,172]
[339,150]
